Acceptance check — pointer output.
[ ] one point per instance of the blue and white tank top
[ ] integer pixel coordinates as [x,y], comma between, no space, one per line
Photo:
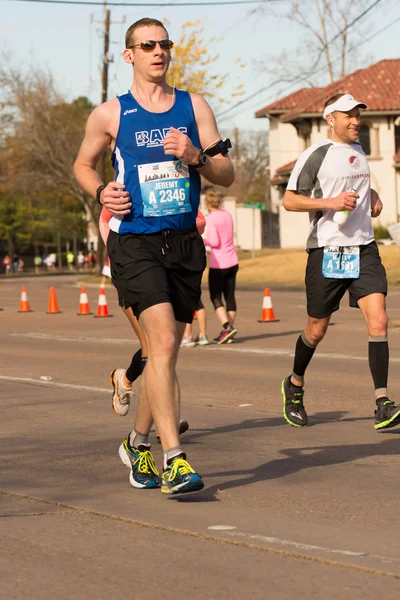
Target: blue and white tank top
[165,192]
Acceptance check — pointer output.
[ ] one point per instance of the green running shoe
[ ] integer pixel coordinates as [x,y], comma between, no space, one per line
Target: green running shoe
[387,414]
[293,407]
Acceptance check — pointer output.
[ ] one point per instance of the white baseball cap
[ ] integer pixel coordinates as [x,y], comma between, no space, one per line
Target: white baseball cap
[343,104]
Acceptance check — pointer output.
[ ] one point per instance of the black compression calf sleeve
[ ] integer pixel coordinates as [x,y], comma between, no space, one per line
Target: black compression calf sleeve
[378,357]
[134,369]
[303,354]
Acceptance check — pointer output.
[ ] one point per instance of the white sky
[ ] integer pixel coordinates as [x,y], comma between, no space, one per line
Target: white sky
[62,39]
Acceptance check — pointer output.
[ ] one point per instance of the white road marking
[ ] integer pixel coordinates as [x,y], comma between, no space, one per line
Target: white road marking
[243,405]
[54,384]
[221,527]
[210,348]
[68,338]
[301,546]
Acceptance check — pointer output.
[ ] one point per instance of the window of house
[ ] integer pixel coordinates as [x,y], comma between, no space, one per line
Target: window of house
[365,138]
[397,142]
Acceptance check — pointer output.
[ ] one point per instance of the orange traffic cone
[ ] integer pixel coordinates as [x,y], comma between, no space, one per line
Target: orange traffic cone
[24,304]
[53,306]
[195,315]
[102,309]
[267,313]
[83,303]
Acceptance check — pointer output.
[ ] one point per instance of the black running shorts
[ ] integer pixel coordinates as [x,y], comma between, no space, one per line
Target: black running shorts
[324,295]
[155,268]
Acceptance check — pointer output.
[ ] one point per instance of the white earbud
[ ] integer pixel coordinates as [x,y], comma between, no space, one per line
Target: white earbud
[331,122]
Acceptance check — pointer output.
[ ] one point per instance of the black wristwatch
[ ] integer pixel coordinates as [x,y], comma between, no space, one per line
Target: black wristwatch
[98,193]
[203,160]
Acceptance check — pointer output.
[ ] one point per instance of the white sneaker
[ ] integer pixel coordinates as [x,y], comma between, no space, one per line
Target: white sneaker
[122,396]
[202,340]
[188,343]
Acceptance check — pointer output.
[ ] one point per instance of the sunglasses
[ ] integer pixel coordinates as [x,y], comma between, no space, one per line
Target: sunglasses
[149,45]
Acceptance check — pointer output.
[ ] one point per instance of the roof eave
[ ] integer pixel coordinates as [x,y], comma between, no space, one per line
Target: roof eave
[313,115]
[262,115]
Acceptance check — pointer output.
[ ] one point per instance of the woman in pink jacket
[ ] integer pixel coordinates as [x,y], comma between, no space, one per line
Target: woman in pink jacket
[224,264]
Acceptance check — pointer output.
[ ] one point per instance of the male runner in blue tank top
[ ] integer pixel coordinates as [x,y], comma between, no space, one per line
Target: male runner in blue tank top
[157,257]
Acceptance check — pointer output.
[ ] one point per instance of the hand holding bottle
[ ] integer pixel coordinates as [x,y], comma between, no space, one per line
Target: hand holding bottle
[343,205]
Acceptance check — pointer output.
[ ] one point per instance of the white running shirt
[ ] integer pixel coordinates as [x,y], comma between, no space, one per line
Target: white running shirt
[325,170]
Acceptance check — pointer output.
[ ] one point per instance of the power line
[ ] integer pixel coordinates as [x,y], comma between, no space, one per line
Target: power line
[312,71]
[146,4]
[282,91]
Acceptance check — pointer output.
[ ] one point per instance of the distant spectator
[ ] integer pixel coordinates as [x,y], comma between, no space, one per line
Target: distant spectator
[81,260]
[70,260]
[15,259]
[38,263]
[21,265]
[7,264]
[49,262]
[53,258]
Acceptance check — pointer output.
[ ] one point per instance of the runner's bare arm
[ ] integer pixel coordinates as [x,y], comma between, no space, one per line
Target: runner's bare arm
[97,139]
[299,203]
[219,169]
[376,204]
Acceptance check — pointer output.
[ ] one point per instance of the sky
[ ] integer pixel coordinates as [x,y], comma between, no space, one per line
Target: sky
[67,41]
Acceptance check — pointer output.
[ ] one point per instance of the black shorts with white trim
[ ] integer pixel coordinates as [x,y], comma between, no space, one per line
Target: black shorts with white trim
[324,294]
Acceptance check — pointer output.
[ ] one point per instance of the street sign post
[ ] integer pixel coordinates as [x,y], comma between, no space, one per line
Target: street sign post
[255,206]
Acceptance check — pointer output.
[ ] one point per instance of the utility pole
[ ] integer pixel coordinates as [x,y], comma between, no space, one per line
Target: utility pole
[236,159]
[104,78]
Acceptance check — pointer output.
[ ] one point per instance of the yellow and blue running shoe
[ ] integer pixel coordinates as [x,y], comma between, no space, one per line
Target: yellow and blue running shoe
[140,461]
[179,477]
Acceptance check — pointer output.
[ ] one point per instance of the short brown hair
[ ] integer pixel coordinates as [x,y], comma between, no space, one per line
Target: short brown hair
[213,197]
[145,22]
[333,99]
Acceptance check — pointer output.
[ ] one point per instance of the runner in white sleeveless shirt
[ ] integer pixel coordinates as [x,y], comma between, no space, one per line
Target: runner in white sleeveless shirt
[331,181]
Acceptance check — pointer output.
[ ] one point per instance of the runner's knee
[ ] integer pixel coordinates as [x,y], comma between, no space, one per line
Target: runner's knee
[315,332]
[164,345]
[377,324]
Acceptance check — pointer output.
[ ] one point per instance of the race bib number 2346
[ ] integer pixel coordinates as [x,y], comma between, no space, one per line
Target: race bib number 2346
[165,188]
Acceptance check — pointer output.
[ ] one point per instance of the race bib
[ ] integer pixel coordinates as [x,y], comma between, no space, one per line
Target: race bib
[165,188]
[341,262]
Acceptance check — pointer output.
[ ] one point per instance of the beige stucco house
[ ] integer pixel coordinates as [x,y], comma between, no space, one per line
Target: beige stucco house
[296,122]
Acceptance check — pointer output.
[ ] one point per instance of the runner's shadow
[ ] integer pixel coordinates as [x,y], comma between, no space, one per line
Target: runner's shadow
[296,460]
[320,418]
[331,417]
[263,336]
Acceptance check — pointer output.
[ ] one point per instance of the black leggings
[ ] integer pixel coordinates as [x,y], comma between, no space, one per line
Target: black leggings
[222,281]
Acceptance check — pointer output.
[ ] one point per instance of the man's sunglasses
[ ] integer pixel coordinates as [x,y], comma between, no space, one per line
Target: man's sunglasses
[149,45]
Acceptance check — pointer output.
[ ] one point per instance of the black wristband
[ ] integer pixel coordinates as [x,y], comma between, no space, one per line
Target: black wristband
[202,160]
[98,193]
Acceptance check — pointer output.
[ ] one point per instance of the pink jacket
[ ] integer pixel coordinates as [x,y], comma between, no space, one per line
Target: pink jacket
[219,237]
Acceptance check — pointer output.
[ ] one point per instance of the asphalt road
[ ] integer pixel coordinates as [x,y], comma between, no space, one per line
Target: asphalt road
[286,512]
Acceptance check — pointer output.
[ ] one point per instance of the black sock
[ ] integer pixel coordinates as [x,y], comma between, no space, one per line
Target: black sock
[143,363]
[226,325]
[303,354]
[378,357]
[134,369]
